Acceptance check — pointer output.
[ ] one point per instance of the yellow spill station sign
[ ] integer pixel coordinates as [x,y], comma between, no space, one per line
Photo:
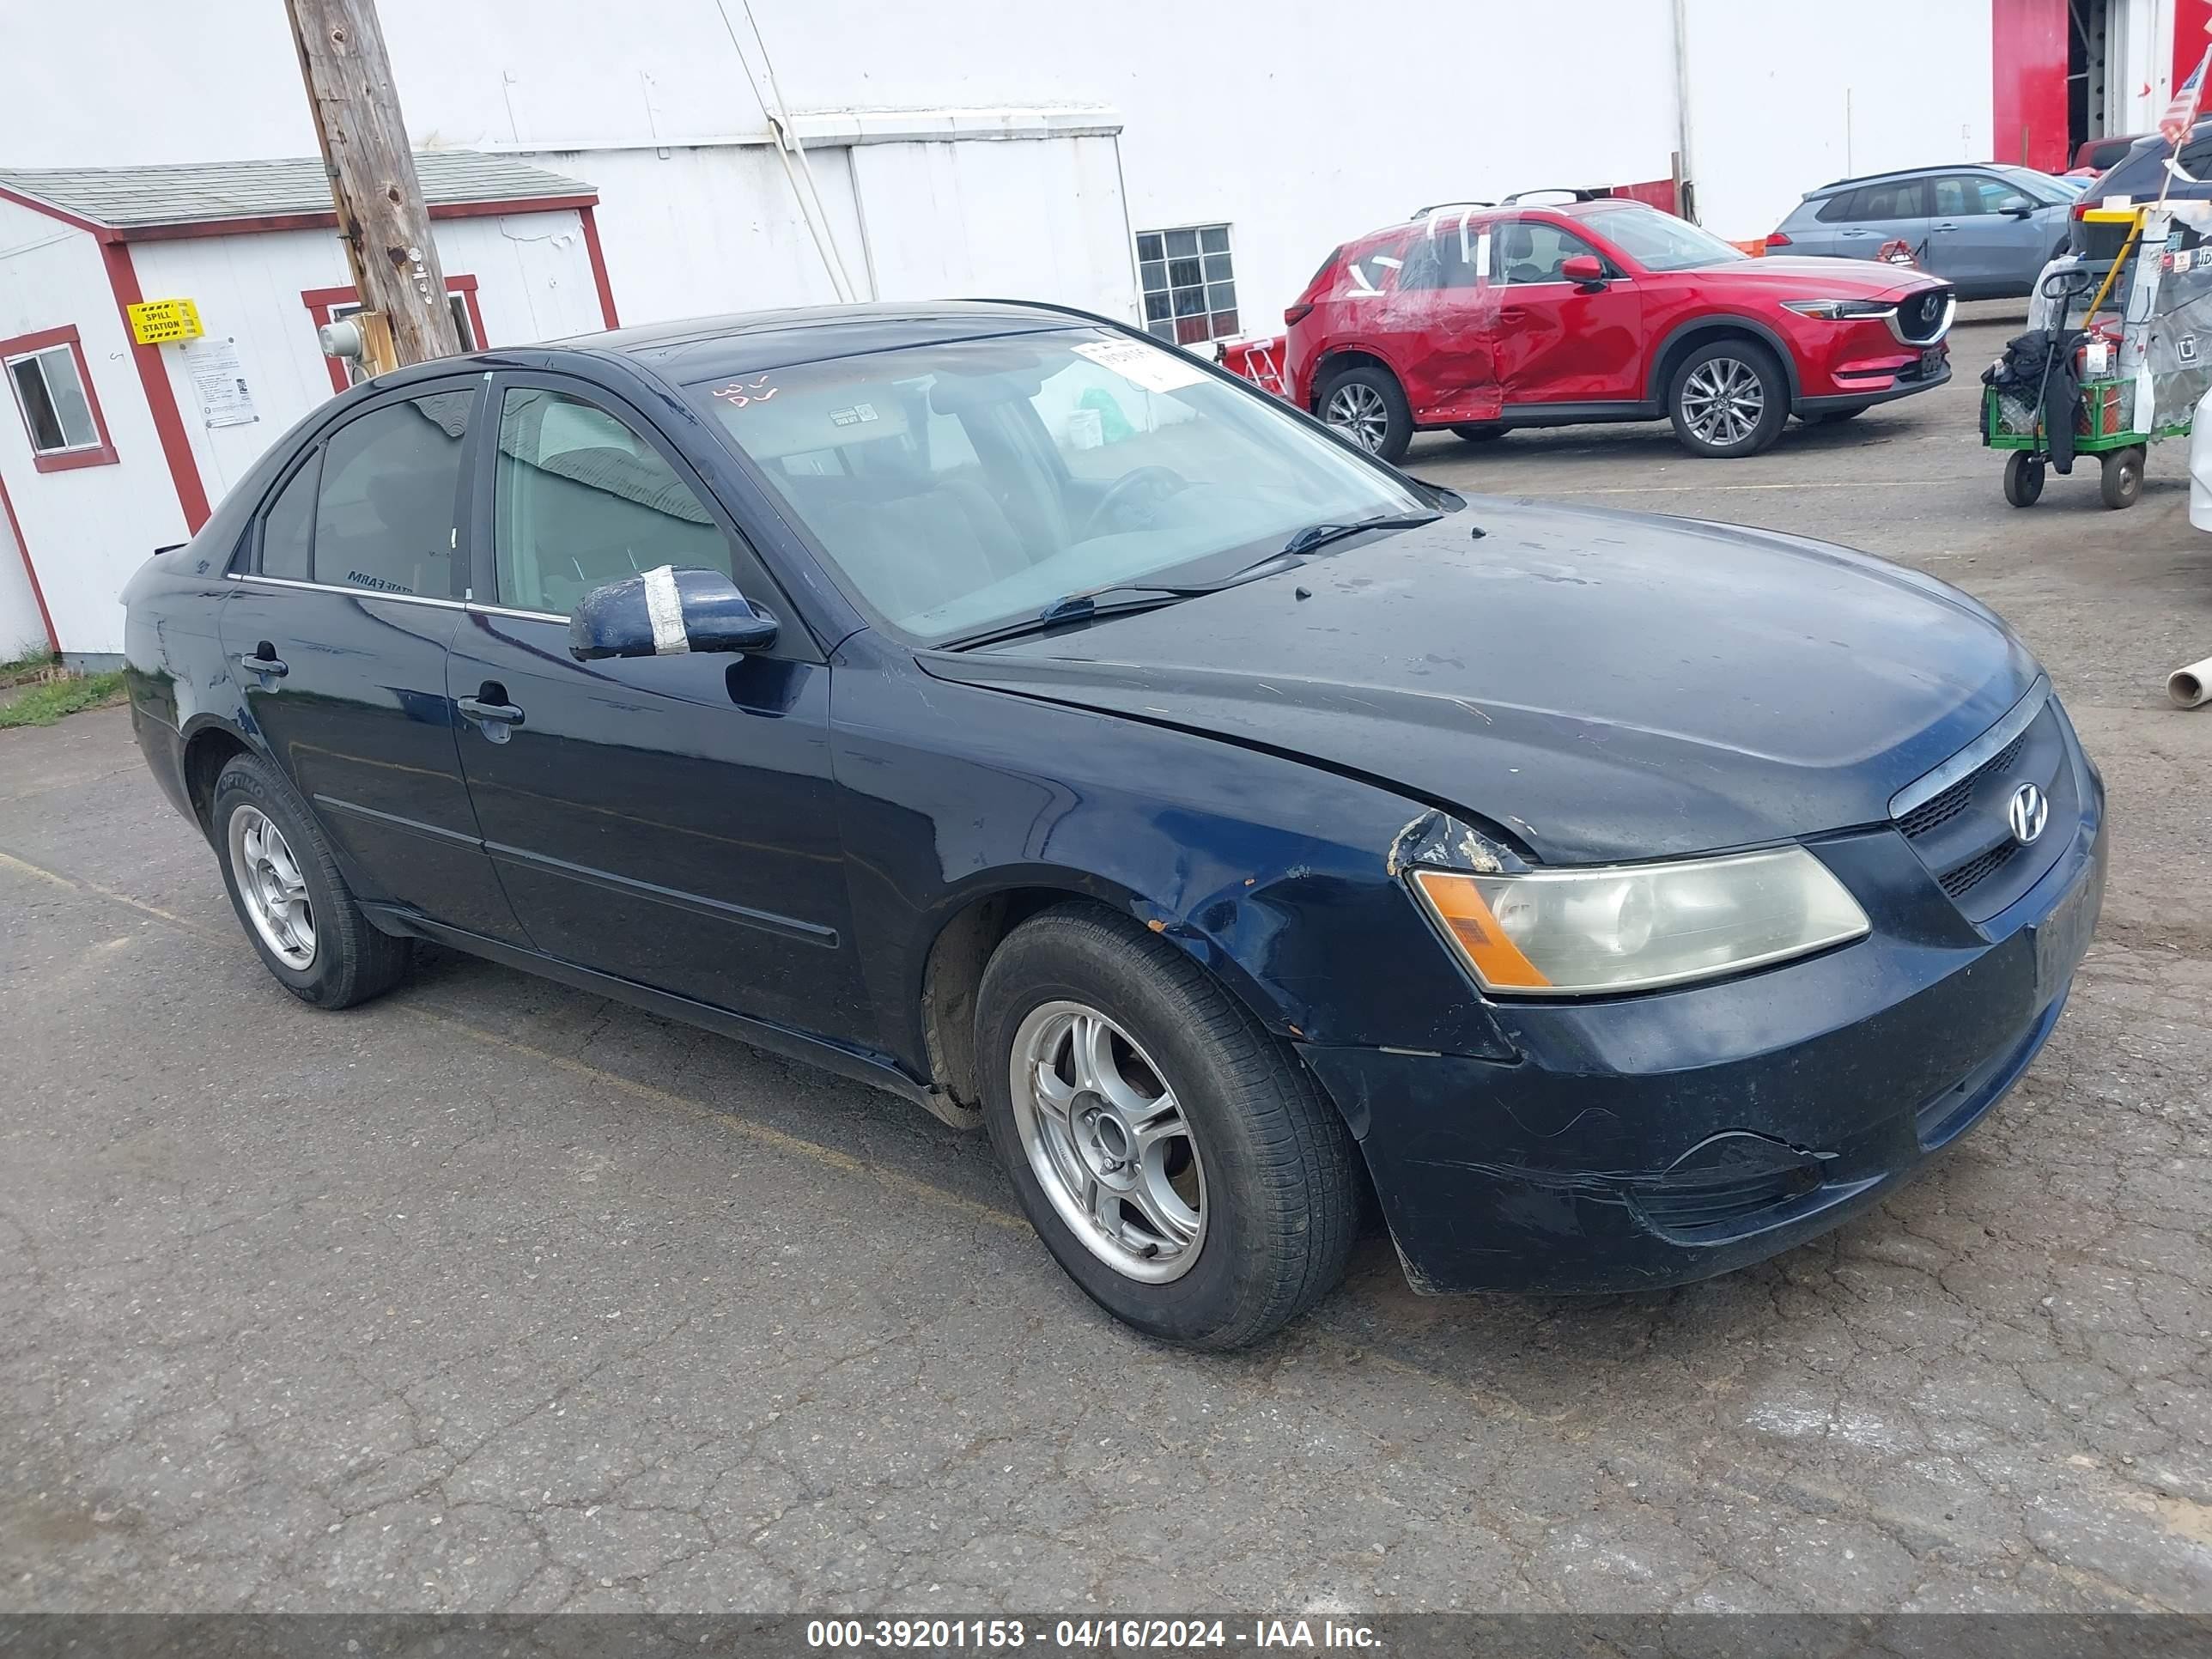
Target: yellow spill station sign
[164,322]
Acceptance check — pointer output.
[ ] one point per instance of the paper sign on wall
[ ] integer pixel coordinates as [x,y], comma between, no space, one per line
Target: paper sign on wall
[219,382]
[1143,365]
[165,322]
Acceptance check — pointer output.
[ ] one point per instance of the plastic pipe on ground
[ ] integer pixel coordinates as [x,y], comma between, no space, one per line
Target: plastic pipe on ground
[2190,686]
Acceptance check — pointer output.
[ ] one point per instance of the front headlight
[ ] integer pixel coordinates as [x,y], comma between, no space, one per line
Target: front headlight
[1836,311]
[1634,926]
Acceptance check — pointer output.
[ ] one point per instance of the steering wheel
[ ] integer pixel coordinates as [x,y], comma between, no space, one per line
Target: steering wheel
[1148,485]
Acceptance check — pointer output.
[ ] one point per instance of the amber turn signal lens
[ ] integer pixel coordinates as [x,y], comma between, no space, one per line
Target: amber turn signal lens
[1459,906]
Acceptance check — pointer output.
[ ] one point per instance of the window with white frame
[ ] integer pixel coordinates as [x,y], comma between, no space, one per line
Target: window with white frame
[463,326]
[50,390]
[1189,283]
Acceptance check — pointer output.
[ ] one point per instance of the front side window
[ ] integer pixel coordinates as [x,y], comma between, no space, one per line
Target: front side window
[580,499]
[1533,251]
[384,509]
[1189,282]
[47,377]
[1660,241]
[1086,459]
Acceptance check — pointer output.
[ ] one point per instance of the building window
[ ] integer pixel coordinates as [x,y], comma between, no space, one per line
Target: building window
[1190,288]
[330,305]
[53,393]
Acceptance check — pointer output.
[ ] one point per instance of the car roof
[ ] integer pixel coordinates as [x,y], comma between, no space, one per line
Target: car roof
[1917,172]
[704,348]
[1447,213]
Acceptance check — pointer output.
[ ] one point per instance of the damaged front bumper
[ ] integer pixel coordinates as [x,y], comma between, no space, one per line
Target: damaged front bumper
[1652,1141]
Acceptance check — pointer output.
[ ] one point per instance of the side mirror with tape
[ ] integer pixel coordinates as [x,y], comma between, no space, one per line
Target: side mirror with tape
[667,612]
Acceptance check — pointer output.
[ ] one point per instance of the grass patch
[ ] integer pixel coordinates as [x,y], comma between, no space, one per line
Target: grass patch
[44,704]
[26,665]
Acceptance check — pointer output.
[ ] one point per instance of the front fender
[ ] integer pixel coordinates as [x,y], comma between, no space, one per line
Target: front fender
[1280,878]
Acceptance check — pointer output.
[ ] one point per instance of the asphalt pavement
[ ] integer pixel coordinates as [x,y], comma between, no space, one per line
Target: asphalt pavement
[494,1296]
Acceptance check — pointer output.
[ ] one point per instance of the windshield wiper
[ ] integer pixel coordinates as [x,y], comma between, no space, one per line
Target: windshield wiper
[1321,535]
[1121,599]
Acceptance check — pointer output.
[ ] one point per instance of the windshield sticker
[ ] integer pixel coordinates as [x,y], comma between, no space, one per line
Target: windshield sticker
[855,415]
[738,393]
[1142,365]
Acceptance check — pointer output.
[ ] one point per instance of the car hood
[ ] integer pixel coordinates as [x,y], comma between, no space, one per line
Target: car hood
[1833,279]
[1592,685]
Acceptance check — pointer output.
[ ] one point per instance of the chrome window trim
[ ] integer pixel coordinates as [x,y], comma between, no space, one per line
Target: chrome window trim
[350,593]
[476,610]
[1975,755]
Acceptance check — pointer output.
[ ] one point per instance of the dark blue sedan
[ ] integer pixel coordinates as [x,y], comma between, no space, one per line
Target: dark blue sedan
[990,704]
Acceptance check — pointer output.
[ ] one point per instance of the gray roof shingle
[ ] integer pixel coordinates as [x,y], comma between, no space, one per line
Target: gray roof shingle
[135,198]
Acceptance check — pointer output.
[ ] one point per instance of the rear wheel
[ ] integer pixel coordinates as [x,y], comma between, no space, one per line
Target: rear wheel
[289,896]
[1477,434]
[2023,478]
[1729,400]
[1367,405]
[1176,1158]
[2123,475]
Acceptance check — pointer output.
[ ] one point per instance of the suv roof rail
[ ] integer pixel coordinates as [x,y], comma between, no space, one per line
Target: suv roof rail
[1579,192]
[1439,207]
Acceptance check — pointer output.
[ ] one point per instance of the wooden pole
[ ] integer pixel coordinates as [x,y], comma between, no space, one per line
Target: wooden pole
[382,220]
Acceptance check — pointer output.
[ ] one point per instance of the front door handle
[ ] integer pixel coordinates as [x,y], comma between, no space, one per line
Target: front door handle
[264,660]
[1514,314]
[488,713]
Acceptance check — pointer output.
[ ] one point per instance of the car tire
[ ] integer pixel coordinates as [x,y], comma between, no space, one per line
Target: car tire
[294,904]
[1729,400]
[1478,433]
[1253,1224]
[1368,407]
[1832,416]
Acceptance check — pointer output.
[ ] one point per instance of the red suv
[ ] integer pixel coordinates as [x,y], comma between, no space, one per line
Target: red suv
[1482,320]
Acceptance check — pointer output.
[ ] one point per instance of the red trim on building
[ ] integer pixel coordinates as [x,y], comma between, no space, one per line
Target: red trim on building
[2027,59]
[321,301]
[598,256]
[161,396]
[23,552]
[103,453]
[313,221]
[2190,19]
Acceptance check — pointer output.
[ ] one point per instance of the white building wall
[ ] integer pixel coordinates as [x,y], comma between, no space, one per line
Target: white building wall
[1784,99]
[22,630]
[534,282]
[88,528]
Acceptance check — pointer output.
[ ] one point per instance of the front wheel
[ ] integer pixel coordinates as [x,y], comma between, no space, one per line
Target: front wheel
[1367,405]
[1174,1156]
[2123,475]
[1729,400]
[2023,478]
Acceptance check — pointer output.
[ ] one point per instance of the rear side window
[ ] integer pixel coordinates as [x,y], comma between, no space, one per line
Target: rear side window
[1837,208]
[2141,174]
[384,513]
[288,529]
[1899,198]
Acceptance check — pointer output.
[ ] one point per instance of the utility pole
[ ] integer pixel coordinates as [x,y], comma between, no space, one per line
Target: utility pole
[382,220]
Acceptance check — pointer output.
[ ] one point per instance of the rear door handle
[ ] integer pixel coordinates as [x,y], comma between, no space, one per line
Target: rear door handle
[264,660]
[1943,225]
[1514,314]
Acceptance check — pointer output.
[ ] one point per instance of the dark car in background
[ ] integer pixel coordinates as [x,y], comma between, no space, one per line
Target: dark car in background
[1986,230]
[987,702]
[2140,176]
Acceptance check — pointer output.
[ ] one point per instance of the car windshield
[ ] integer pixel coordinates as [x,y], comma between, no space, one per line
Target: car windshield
[2041,187]
[1660,241]
[958,487]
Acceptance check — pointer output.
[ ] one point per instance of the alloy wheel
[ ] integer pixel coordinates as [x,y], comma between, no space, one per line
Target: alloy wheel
[274,891]
[1723,402]
[1108,1142]
[1357,411]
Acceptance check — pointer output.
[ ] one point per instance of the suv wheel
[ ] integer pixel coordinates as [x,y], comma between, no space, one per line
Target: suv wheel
[1729,400]
[1367,405]
[1173,1155]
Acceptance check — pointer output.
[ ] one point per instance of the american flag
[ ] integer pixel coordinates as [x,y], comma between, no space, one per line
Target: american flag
[2181,114]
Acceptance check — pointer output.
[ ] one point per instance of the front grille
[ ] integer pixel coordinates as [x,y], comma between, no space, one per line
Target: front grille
[1953,801]
[1924,317]
[1964,836]
[1974,872]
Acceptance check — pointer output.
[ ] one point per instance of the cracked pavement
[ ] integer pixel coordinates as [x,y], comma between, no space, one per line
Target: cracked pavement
[492,1296]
